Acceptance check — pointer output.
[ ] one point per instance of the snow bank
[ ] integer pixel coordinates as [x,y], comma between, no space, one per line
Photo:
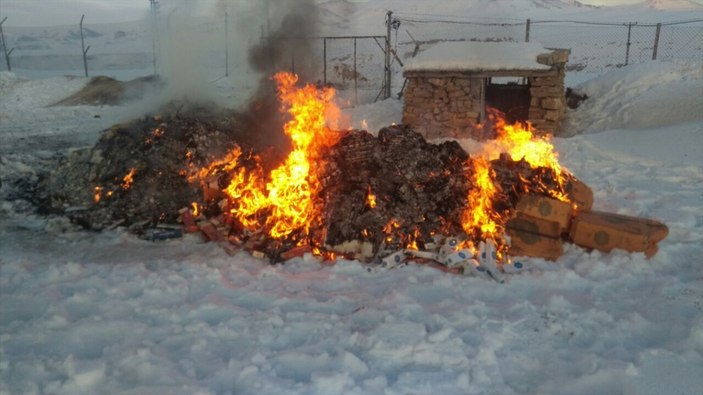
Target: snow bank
[640,96]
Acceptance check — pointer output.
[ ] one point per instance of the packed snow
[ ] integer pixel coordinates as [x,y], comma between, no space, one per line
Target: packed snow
[108,313]
[460,56]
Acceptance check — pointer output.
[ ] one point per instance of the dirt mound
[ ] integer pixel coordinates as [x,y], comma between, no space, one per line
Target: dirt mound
[103,90]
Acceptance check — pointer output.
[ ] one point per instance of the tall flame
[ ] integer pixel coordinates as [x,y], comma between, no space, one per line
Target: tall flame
[293,187]
[520,142]
[480,213]
[287,200]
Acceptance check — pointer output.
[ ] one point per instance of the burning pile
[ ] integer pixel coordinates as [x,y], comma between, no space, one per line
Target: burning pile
[351,193]
[359,195]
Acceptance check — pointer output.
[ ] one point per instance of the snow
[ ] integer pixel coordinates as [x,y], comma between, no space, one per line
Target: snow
[107,313]
[462,56]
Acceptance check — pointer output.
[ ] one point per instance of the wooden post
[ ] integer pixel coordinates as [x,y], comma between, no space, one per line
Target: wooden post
[527,31]
[656,41]
[85,50]
[4,46]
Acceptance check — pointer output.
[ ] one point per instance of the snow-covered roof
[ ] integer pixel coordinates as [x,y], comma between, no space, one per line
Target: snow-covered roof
[483,56]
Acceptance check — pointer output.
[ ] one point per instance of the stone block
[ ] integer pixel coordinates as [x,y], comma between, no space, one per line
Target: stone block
[553,115]
[552,103]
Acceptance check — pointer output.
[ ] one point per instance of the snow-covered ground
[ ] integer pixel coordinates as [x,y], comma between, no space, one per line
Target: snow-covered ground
[107,313]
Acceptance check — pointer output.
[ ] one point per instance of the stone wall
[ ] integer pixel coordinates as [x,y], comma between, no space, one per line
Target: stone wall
[443,107]
[449,104]
[548,100]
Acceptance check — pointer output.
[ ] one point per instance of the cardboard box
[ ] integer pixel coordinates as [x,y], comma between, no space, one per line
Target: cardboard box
[546,208]
[531,224]
[579,193]
[524,243]
[607,231]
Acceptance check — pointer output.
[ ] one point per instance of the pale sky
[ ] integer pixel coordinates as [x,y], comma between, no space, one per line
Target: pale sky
[63,12]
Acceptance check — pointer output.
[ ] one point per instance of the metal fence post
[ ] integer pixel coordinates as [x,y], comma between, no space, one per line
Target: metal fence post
[226,45]
[154,32]
[387,92]
[627,50]
[292,59]
[324,60]
[85,50]
[656,41]
[527,31]
[356,78]
[4,46]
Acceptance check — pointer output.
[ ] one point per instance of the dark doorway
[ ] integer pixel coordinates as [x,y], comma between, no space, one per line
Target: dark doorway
[509,95]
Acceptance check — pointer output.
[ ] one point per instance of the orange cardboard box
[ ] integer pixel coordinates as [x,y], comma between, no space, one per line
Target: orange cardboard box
[524,243]
[579,193]
[607,231]
[548,209]
[528,223]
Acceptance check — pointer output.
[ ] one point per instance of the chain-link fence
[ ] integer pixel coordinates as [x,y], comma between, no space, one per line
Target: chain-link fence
[594,46]
[217,46]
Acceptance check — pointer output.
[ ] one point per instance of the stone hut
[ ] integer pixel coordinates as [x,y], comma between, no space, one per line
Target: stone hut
[450,86]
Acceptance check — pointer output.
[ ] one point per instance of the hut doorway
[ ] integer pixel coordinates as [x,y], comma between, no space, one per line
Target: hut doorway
[511,95]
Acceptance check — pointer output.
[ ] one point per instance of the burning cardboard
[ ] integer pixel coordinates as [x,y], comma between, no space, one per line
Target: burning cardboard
[383,198]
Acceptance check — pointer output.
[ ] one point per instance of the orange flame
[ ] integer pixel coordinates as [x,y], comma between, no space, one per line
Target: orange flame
[520,142]
[480,213]
[287,200]
[98,194]
[128,179]
[371,199]
[293,187]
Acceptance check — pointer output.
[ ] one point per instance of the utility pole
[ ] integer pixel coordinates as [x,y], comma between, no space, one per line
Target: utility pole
[85,50]
[387,63]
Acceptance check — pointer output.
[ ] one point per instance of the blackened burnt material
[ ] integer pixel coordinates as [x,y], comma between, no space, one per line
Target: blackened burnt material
[395,181]
[137,173]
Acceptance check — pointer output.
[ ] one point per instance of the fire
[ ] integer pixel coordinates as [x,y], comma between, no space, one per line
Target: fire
[97,195]
[480,213]
[286,201]
[286,204]
[371,199]
[246,192]
[293,187]
[520,142]
[128,179]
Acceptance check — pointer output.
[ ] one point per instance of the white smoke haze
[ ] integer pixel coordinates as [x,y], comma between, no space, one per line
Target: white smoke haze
[263,37]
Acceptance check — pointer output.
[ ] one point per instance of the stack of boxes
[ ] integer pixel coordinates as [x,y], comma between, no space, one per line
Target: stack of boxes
[541,225]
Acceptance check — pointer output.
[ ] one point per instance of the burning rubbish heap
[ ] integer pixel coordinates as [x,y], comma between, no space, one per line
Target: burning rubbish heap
[346,193]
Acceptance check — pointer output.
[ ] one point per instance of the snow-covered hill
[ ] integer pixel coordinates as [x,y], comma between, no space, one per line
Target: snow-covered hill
[672,5]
